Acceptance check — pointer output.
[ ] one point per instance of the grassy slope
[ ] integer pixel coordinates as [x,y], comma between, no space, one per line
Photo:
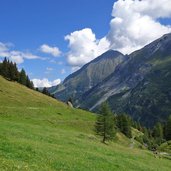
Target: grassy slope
[39,133]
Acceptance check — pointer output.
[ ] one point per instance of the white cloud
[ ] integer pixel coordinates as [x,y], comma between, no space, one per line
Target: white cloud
[45,82]
[14,55]
[63,71]
[54,51]
[84,47]
[3,47]
[136,24]
[17,58]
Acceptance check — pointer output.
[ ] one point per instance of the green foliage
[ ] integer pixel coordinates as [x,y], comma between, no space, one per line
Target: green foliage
[105,123]
[10,71]
[158,133]
[168,129]
[124,124]
[46,92]
[13,71]
[23,77]
[5,68]
[29,83]
[40,133]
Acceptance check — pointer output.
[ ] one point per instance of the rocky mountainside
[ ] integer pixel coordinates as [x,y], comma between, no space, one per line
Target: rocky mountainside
[138,84]
[76,84]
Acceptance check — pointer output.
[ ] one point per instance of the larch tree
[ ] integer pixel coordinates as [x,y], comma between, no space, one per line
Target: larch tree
[105,125]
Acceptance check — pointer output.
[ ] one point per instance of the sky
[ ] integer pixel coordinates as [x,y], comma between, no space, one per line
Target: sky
[51,39]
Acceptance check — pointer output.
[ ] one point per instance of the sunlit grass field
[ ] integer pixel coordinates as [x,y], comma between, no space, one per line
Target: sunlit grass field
[41,133]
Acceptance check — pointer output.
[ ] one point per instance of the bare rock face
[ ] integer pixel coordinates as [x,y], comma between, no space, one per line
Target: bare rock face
[76,84]
[138,84]
[70,104]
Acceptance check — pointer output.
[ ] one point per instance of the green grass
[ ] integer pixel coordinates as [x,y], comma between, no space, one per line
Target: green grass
[166,147]
[40,133]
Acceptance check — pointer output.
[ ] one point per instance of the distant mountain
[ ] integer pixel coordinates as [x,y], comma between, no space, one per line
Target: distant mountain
[76,84]
[138,84]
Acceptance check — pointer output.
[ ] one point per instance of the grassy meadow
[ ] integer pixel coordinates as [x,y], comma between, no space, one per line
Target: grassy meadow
[41,133]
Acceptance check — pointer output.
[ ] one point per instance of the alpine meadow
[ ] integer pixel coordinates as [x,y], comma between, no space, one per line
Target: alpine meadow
[81,90]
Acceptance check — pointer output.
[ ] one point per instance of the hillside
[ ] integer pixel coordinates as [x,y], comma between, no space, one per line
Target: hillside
[138,86]
[76,84]
[41,133]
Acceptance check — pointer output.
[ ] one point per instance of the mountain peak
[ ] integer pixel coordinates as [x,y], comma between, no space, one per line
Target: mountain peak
[89,75]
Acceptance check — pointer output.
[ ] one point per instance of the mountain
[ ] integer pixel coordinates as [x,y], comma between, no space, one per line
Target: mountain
[140,86]
[137,84]
[38,132]
[88,76]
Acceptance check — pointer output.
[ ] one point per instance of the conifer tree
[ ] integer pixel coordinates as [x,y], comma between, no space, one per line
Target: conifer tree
[23,77]
[16,73]
[0,68]
[11,71]
[104,125]
[5,72]
[124,125]
[29,83]
[168,129]
[45,91]
[158,133]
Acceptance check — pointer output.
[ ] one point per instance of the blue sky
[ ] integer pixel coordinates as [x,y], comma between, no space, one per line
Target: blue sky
[52,38]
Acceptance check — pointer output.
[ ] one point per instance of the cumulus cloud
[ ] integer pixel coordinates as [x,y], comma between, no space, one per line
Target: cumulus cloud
[54,51]
[136,24]
[84,46]
[45,82]
[15,56]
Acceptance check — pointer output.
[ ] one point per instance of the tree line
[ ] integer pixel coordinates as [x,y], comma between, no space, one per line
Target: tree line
[107,125]
[9,70]
[154,137]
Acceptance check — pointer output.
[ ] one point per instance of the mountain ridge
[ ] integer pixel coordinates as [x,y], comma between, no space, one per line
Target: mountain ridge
[127,75]
[88,76]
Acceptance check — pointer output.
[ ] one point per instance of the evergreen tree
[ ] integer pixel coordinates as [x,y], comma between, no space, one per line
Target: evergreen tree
[5,65]
[11,71]
[22,77]
[0,68]
[124,125]
[104,125]
[168,129]
[158,133]
[45,91]
[139,126]
[16,73]
[29,83]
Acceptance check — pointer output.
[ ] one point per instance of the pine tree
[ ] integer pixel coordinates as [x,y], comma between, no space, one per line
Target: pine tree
[5,65]
[0,68]
[124,125]
[29,83]
[104,125]
[16,73]
[45,91]
[158,133]
[11,71]
[23,77]
[168,129]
